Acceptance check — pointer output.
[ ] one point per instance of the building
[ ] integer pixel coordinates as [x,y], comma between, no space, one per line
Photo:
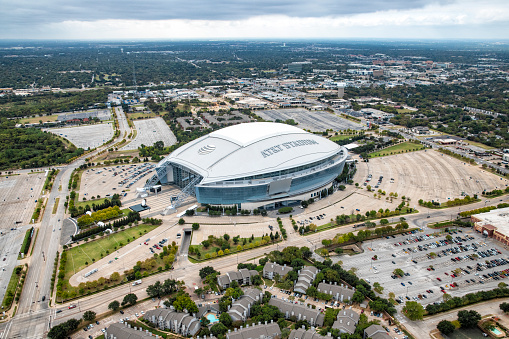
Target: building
[125,331]
[338,292]
[301,333]
[254,165]
[241,309]
[261,331]
[242,276]
[177,322]
[300,312]
[376,332]
[347,321]
[271,269]
[306,277]
[493,224]
[420,130]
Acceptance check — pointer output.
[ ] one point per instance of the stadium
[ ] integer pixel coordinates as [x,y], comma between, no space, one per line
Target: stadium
[254,165]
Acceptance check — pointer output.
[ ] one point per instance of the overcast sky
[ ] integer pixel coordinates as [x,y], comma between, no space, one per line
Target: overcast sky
[183,19]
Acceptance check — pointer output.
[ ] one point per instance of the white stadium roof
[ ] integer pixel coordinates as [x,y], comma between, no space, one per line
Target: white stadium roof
[250,149]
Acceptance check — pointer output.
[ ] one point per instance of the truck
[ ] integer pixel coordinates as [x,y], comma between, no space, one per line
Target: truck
[137,282]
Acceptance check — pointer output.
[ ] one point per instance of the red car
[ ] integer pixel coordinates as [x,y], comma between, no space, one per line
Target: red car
[72,306]
[439,279]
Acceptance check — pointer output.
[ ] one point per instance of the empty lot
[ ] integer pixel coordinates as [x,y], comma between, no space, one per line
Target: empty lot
[312,120]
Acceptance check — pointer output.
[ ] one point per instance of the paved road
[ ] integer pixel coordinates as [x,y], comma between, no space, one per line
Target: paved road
[123,125]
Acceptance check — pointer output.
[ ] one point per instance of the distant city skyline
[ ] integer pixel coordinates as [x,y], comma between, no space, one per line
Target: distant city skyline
[227,19]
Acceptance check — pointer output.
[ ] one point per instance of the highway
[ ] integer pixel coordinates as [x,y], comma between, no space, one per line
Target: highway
[33,317]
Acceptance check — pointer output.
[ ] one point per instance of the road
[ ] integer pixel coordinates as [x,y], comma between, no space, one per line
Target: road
[34,316]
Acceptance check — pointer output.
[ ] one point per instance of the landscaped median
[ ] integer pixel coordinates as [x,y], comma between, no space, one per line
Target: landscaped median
[221,246]
[26,242]
[14,287]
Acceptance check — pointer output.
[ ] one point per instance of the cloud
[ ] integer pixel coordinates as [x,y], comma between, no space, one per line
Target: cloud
[268,19]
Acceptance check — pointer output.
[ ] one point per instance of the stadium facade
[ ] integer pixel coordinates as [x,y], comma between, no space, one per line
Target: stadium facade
[254,165]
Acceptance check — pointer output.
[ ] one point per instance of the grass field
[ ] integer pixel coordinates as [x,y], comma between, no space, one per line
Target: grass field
[134,116]
[397,149]
[89,202]
[36,120]
[212,248]
[404,110]
[13,282]
[340,137]
[81,256]
[478,144]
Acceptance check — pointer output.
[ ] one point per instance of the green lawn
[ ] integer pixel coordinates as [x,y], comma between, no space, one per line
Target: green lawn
[78,256]
[478,144]
[134,116]
[404,110]
[341,137]
[13,282]
[89,202]
[36,119]
[397,149]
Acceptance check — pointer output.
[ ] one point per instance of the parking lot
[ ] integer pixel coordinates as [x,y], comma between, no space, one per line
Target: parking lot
[104,182]
[312,120]
[432,266]
[149,131]
[88,136]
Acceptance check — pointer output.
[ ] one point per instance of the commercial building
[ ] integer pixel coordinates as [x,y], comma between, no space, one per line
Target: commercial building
[254,165]
[493,224]
[242,276]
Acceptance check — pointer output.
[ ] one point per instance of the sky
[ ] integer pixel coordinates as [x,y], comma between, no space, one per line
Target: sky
[263,19]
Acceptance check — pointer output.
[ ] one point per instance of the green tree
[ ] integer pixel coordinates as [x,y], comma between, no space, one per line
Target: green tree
[114,305]
[130,299]
[469,319]
[89,316]
[504,307]
[196,226]
[413,310]
[446,327]
[218,329]
[225,319]
[182,221]
[207,270]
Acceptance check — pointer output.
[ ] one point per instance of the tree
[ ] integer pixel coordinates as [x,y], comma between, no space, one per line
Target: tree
[155,290]
[504,307]
[398,271]
[218,329]
[183,302]
[182,221]
[225,319]
[89,316]
[196,226]
[468,319]
[130,299]
[205,271]
[446,327]
[114,305]
[413,310]
[115,276]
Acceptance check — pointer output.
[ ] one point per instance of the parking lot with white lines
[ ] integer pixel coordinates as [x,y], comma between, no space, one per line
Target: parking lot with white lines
[428,262]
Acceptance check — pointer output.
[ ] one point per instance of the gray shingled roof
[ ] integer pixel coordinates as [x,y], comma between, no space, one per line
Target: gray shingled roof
[256,331]
[122,331]
[309,334]
[376,332]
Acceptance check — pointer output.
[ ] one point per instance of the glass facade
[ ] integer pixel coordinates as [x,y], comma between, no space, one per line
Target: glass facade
[224,195]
